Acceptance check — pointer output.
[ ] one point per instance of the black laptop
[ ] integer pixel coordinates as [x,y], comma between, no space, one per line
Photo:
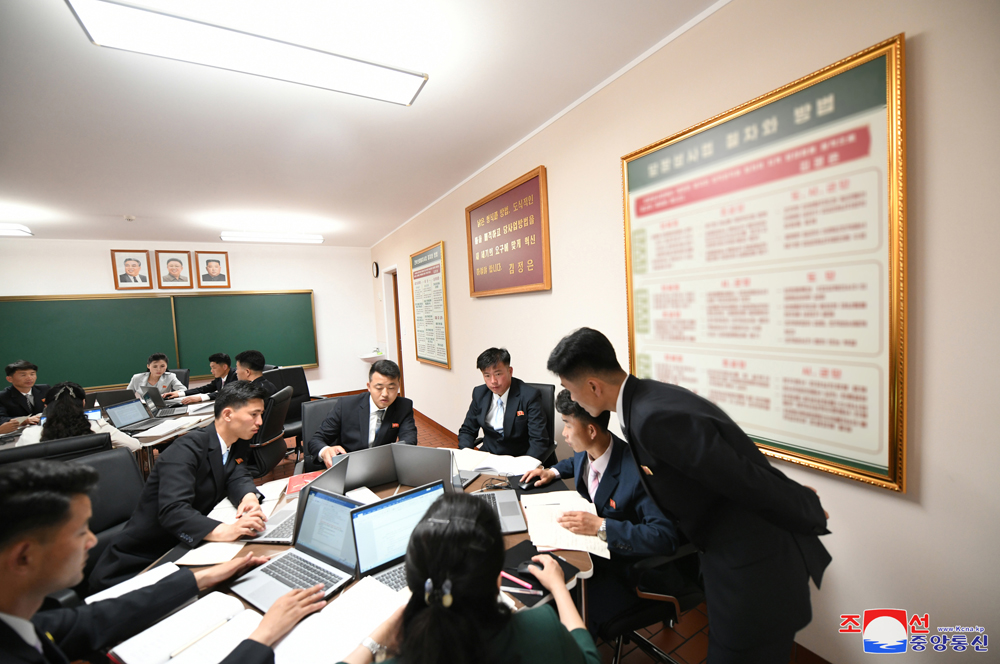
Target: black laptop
[131,416]
[156,404]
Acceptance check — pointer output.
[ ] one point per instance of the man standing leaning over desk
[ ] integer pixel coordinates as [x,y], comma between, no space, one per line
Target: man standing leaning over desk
[627,518]
[756,529]
[376,417]
[192,475]
[44,540]
[250,367]
[219,364]
[22,398]
[508,411]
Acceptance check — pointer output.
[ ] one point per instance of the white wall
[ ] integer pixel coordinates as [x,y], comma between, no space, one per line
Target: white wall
[338,276]
[932,550]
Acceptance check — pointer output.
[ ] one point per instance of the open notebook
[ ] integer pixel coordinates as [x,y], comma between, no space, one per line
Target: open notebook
[202,633]
[500,464]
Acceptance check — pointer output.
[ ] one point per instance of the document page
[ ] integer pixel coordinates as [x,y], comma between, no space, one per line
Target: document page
[136,582]
[211,553]
[475,460]
[216,646]
[542,511]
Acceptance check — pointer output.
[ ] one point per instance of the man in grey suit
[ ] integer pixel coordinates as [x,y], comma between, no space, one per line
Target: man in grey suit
[132,267]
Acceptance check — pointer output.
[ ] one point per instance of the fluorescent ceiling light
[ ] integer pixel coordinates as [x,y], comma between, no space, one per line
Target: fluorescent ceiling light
[10,211]
[15,230]
[129,28]
[289,238]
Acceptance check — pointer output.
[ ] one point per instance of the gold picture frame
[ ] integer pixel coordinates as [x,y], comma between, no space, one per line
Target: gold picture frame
[765,255]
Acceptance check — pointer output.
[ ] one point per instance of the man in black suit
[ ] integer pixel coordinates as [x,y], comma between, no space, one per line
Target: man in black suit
[250,367]
[219,364]
[213,269]
[23,398]
[44,540]
[190,478]
[376,417]
[508,412]
[132,276]
[756,529]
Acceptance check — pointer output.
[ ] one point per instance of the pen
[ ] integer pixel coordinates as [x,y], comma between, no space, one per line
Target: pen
[520,591]
[515,579]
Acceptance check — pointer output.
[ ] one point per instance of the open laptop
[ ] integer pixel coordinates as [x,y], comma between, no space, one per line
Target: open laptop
[131,416]
[281,526]
[371,467]
[323,552]
[154,401]
[94,414]
[507,507]
[382,532]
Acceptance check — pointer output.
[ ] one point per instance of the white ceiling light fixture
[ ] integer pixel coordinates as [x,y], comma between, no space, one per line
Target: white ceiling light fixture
[15,230]
[268,238]
[129,28]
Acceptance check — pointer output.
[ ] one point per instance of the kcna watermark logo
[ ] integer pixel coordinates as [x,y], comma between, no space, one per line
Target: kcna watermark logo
[887,631]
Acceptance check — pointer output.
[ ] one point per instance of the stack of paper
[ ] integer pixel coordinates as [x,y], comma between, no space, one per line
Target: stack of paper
[542,511]
[136,582]
[211,553]
[340,627]
[483,462]
[169,426]
[202,407]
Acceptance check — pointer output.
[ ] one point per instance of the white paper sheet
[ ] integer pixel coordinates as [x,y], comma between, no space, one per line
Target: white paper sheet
[136,582]
[216,646]
[202,407]
[225,511]
[542,511]
[363,495]
[475,460]
[211,553]
[272,490]
[169,426]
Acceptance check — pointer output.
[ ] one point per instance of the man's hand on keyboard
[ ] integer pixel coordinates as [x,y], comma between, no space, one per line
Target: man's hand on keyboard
[216,574]
[245,526]
[288,610]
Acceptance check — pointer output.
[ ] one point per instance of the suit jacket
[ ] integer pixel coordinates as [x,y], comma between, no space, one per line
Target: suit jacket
[266,384]
[636,527]
[347,425]
[208,277]
[756,528]
[524,427]
[186,483]
[124,278]
[212,388]
[14,404]
[78,633]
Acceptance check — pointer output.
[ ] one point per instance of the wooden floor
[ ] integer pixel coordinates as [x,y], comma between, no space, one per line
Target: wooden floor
[686,641]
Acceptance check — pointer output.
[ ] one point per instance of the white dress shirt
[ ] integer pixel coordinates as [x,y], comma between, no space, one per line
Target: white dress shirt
[373,423]
[225,449]
[493,413]
[24,628]
[600,465]
[619,408]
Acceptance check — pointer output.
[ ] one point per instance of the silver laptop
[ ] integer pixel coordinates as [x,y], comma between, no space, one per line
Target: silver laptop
[382,532]
[323,553]
[156,404]
[416,466]
[371,467]
[507,507]
[280,527]
[131,416]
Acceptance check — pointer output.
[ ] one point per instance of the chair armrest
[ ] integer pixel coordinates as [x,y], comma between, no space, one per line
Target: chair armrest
[65,598]
[658,561]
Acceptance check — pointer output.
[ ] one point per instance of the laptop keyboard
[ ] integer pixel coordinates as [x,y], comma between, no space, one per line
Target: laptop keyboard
[295,572]
[394,577]
[491,499]
[284,530]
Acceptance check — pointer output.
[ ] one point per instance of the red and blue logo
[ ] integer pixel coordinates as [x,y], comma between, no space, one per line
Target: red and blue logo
[884,630]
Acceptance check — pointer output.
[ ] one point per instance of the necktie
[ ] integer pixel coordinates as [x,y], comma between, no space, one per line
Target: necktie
[31,400]
[225,456]
[595,480]
[379,414]
[498,417]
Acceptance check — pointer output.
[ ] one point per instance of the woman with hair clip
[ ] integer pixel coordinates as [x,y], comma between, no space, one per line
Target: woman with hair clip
[64,418]
[455,615]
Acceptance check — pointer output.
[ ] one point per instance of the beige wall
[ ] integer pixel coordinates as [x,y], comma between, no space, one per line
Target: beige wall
[932,550]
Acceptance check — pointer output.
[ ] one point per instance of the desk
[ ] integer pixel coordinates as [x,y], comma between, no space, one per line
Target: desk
[148,443]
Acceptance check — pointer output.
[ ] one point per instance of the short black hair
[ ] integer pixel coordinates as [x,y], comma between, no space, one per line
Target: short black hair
[252,360]
[20,365]
[134,260]
[220,358]
[36,494]
[583,351]
[566,406]
[175,260]
[387,368]
[236,394]
[492,356]
[156,357]
[214,260]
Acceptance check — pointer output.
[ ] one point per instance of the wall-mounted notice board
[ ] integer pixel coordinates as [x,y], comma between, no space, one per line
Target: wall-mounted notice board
[766,266]
[100,341]
[430,306]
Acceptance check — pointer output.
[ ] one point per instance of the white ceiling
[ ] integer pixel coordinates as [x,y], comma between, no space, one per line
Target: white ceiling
[90,134]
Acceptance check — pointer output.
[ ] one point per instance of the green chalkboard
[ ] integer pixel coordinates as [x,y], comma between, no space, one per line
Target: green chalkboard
[279,325]
[96,342]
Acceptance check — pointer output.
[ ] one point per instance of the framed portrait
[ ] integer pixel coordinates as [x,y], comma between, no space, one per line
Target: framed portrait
[212,269]
[766,266]
[130,268]
[173,269]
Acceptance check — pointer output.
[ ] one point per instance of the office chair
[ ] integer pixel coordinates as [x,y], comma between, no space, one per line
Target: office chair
[669,586]
[269,367]
[313,414]
[61,449]
[295,377]
[183,375]
[548,392]
[267,448]
[108,398]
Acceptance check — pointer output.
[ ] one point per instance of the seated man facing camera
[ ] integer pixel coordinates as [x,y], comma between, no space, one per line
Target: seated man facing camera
[376,417]
[44,540]
[508,411]
[190,478]
[627,518]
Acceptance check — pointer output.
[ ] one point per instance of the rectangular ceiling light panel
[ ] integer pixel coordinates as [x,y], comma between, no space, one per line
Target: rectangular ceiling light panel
[129,28]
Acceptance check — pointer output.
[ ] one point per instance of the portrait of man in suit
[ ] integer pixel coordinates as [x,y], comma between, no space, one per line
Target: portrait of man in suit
[175,269]
[131,274]
[131,269]
[213,271]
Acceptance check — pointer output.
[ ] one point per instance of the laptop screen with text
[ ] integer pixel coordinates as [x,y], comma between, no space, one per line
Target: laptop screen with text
[325,531]
[382,530]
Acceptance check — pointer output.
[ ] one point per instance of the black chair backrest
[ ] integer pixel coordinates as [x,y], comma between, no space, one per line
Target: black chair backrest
[269,367]
[313,414]
[295,377]
[114,499]
[274,375]
[183,375]
[109,398]
[549,409]
[274,417]
[61,449]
